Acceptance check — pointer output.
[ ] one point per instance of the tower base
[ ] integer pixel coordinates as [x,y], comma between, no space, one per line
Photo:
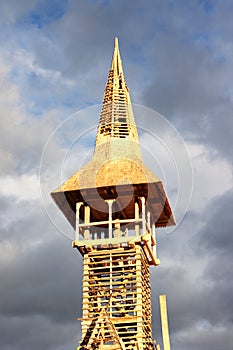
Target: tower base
[116,299]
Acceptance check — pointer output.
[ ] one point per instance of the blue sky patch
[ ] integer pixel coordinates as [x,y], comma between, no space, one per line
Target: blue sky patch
[45,12]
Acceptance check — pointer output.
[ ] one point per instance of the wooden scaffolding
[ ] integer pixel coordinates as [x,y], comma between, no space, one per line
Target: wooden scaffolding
[118,281]
[117,254]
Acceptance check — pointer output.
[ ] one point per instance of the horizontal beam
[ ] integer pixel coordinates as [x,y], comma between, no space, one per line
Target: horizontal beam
[117,221]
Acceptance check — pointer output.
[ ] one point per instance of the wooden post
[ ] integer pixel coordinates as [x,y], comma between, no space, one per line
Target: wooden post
[110,286]
[86,221]
[164,322]
[143,215]
[154,236]
[110,202]
[148,219]
[78,205]
[148,228]
[137,227]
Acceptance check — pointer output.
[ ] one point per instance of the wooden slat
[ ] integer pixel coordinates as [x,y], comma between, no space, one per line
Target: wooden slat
[164,322]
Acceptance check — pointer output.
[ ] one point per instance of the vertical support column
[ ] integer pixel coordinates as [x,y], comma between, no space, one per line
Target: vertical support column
[148,219]
[110,203]
[164,322]
[78,206]
[110,284]
[86,286]
[148,228]
[117,229]
[87,221]
[154,236]
[137,226]
[143,215]
[139,307]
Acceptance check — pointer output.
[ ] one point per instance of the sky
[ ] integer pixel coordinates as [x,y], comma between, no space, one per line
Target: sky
[178,62]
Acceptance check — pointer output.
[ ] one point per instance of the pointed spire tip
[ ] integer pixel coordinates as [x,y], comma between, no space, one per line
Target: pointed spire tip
[116,41]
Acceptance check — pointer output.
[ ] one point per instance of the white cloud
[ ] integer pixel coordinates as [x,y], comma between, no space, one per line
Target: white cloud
[212,176]
[24,187]
[25,59]
[203,334]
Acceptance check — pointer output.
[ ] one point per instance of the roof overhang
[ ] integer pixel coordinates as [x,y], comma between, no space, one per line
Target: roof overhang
[125,195]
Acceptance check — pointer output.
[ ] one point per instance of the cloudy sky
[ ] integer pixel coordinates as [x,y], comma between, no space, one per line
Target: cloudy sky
[54,61]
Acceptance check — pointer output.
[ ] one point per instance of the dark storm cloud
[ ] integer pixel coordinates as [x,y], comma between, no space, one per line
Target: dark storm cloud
[216,242]
[177,277]
[37,332]
[196,274]
[216,234]
[33,268]
[40,287]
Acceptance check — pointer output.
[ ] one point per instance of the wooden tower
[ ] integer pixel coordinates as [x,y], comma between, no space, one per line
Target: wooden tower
[115,203]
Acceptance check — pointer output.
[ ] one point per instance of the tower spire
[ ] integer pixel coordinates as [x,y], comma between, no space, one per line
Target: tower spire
[116,58]
[116,118]
[117,159]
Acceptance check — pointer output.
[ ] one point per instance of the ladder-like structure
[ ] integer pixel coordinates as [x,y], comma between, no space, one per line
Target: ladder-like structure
[102,333]
[115,204]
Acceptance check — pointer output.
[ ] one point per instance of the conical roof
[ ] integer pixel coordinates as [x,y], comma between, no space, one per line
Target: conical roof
[117,160]
[116,118]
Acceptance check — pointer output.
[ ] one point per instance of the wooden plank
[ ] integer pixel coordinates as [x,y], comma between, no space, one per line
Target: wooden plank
[106,222]
[164,322]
